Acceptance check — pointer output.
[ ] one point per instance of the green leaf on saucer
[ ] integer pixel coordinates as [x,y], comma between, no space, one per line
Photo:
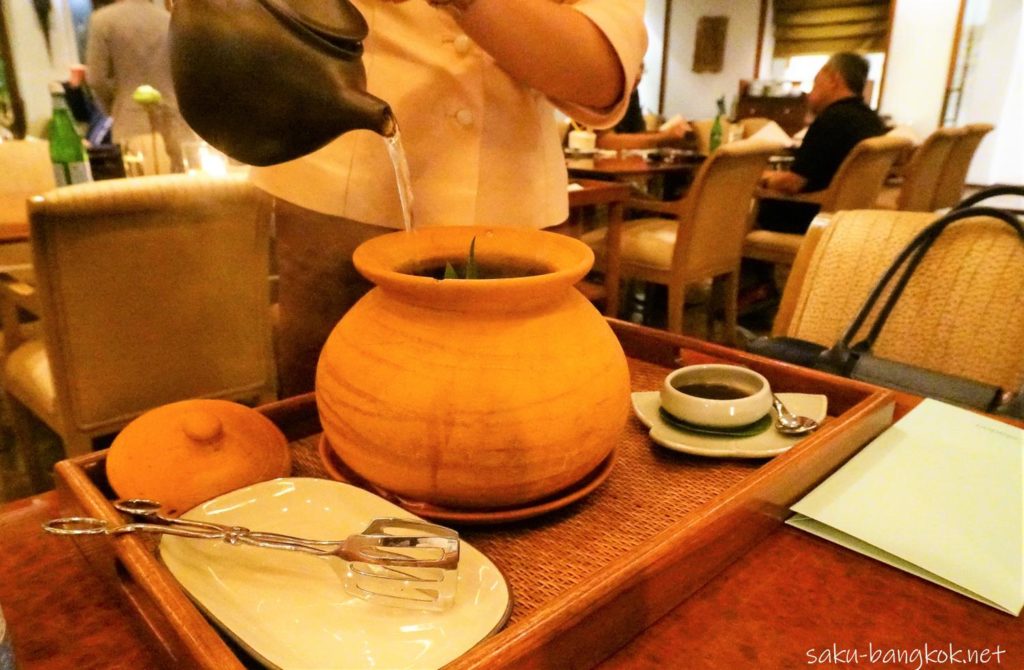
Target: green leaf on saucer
[748,430]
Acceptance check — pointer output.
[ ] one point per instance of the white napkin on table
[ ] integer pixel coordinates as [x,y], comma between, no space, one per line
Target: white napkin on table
[773,132]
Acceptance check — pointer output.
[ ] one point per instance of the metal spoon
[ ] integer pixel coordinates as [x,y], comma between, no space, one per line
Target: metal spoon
[788,423]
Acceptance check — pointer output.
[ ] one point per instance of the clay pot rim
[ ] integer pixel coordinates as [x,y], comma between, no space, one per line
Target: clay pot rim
[379,258]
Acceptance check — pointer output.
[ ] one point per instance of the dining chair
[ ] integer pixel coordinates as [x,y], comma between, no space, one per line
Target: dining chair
[950,189]
[697,237]
[959,314]
[855,185]
[149,290]
[921,174]
[27,171]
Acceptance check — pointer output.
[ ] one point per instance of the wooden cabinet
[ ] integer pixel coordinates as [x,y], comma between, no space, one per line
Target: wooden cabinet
[790,112]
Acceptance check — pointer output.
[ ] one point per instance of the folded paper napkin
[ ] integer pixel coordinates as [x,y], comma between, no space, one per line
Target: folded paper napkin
[773,132]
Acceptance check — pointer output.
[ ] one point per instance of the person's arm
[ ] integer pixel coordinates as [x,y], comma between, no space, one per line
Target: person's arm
[99,70]
[649,140]
[548,46]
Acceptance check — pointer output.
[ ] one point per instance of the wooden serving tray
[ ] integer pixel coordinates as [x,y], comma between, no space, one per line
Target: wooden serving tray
[587,578]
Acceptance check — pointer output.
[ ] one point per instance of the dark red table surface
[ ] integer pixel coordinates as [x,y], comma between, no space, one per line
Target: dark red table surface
[793,601]
[798,601]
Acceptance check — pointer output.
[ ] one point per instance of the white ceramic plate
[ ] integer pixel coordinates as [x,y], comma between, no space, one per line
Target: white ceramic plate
[291,611]
[769,443]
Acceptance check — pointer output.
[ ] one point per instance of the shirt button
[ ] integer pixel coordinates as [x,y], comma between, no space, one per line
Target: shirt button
[462,44]
[464,117]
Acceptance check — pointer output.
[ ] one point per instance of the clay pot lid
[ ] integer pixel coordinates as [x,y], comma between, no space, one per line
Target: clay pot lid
[185,453]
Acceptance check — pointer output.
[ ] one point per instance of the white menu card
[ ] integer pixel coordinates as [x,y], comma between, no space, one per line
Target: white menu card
[939,494]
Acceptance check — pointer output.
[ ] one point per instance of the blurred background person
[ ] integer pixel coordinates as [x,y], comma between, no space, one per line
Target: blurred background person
[631,132]
[127,48]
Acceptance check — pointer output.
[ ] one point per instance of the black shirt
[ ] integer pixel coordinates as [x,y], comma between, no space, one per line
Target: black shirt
[832,136]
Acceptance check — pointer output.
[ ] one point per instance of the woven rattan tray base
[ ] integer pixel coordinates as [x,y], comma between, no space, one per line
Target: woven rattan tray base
[649,489]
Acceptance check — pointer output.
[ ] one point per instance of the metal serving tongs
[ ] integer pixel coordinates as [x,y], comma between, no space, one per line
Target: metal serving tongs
[400,562]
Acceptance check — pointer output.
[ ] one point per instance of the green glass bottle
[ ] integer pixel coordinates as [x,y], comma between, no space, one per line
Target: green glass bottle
[67,153]
[715,140]
[716,134]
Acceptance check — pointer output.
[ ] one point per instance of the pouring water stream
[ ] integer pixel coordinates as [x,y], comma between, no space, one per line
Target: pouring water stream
[401,164]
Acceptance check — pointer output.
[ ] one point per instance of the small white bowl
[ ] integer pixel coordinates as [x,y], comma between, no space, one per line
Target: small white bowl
[754,404]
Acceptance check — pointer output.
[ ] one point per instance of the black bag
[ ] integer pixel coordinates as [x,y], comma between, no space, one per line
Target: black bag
[856,360]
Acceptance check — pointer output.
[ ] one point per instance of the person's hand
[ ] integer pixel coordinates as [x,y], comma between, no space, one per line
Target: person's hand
[782,181]
[676,127]
[77,77]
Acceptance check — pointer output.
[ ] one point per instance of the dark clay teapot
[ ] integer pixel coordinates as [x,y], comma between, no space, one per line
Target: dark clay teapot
[266,81]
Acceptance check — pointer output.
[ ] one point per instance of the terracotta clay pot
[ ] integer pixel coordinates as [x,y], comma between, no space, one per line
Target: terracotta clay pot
[473,393]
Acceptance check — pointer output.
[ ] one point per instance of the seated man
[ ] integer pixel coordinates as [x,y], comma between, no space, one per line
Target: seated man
[842,119]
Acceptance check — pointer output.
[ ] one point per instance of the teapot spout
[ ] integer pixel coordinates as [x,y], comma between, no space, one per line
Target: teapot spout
[370,113]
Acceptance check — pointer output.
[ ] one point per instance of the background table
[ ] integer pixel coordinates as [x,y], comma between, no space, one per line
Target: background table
[634,168]
[593,192]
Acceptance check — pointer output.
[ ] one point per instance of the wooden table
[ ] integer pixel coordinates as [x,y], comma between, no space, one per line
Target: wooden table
[14,243]
[790,595]
[790,599]
[13,231]
[630,167]
[614,195]
[59,613]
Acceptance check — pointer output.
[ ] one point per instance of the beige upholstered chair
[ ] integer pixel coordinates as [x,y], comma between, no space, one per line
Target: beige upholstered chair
[856,185]
[26,169]
[960,314]
[950,189]
[922,173]
[149,290]
[704,237]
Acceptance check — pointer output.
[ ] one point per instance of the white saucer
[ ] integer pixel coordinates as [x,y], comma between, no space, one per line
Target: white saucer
[290,610]
[763,445]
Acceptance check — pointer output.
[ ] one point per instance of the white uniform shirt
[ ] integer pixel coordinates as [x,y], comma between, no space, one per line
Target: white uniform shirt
[482,148]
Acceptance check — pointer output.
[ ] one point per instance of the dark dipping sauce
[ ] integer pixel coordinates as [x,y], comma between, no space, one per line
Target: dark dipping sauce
[713,391]
[485,269]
